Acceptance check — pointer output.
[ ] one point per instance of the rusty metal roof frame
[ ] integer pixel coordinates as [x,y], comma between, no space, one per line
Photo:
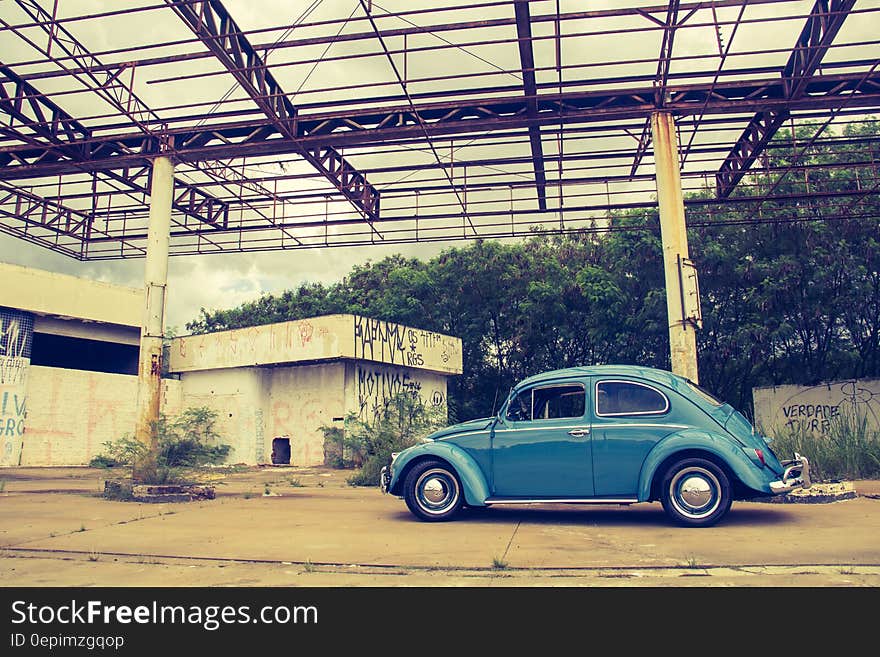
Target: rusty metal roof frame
[400,122]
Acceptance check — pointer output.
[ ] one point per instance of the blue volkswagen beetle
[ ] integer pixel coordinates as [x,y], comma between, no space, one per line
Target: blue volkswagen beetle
[608,434]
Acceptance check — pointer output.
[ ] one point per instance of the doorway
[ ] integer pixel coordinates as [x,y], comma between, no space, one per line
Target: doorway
[281,451]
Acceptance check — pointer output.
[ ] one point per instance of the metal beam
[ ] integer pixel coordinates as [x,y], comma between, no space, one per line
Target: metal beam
[211,23]
[369,126]
[22,102]
[527,64]
[68,137]
[823,24]
[39,212]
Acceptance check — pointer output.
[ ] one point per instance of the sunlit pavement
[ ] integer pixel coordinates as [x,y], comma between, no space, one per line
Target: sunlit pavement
[307,527]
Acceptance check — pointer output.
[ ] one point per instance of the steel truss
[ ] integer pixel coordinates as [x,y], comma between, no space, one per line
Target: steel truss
[526,130]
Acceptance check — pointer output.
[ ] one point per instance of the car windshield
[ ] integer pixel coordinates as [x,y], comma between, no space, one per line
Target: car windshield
[704,394]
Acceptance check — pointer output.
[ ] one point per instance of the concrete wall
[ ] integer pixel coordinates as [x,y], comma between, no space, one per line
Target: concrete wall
[70,413]
[332,337]
[16,332]
[812,409]
[238,396]
[47,293]
[256,405]
[301,401]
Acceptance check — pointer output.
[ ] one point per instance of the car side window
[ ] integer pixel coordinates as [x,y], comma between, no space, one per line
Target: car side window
[627,398]
[548,403]
[520,407]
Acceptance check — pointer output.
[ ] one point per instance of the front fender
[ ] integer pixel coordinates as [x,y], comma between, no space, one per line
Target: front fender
[476,488]
[717,444]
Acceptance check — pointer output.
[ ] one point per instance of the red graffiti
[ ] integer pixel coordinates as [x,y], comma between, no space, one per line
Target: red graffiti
[305,333]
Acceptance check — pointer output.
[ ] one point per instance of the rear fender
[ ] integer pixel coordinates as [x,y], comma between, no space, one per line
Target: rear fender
[476,488]
[720,446]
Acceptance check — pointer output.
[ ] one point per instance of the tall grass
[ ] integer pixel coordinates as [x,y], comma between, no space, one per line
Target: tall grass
[849,450]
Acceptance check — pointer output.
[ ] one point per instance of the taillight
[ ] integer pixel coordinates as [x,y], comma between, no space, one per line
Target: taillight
[760,454]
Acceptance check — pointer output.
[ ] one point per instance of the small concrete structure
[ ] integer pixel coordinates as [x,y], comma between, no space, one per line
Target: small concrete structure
[276,386]
[814,409]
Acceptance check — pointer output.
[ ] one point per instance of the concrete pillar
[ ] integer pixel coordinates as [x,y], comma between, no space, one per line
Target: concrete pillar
[673,233]
[16,336]
[153,327]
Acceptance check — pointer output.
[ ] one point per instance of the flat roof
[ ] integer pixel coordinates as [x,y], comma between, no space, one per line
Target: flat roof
[330,337]
[61,295]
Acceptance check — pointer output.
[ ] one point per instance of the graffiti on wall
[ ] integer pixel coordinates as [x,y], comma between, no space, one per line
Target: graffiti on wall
[815,409]
[396,344]
[16,331]
[376,386]
[259,436]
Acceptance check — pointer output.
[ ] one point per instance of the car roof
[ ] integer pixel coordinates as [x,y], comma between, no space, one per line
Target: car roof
[634,371]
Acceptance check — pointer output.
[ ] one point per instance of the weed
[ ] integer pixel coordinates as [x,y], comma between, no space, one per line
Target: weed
[93,556]
[309,567]
[267,490]
[248,495]
[187,441]
[850,449]
[2,485]
[691,561]
[296,483]
[320,484]
[847,570]
[399,423]
[498,564]
[82,528]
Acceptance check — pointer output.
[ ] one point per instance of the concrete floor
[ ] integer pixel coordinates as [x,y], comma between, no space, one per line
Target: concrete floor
[312,529]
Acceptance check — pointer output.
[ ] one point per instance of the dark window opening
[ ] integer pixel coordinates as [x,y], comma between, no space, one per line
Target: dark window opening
[281,451]
[81,354]
[622,398]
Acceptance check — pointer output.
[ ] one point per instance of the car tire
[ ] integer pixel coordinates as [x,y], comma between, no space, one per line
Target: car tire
[432,491]
[695,492]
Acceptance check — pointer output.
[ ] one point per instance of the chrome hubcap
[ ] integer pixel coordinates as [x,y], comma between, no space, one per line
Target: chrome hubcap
[695,492]
[436,491]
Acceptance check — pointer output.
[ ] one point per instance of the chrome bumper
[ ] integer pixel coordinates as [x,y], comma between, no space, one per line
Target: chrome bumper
[384,479]
[795,475]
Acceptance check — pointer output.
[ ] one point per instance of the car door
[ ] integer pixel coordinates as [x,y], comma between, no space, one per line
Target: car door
[629,417]
[541,445]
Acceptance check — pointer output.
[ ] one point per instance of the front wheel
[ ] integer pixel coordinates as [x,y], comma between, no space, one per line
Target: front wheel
[432,491]
[695,492]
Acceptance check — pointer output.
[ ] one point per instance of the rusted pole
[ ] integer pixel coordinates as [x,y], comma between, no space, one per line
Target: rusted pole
[153,326]
[673,233]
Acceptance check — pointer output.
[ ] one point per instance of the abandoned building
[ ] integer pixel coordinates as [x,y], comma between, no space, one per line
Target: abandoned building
[68,373]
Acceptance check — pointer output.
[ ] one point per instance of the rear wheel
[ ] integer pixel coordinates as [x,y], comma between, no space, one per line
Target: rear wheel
[695,492]
[432,491]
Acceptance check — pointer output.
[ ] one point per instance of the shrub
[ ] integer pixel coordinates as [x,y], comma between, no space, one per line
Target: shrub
[187,441]
[402,422]
[117,453]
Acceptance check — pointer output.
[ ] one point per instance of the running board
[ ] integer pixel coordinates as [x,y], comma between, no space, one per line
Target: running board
[560,500]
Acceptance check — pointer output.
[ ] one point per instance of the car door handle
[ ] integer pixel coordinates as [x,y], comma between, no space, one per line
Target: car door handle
[579,432]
